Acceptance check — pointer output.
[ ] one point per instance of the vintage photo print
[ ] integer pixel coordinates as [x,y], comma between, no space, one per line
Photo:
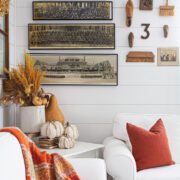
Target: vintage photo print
[71,36]
[78,69]
[72,10]
[168,57]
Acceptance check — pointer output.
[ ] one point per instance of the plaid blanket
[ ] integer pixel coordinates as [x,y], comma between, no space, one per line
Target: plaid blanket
[40,165]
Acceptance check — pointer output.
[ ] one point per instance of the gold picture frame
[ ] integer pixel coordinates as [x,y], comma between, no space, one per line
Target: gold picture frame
[71,36]
[72,10]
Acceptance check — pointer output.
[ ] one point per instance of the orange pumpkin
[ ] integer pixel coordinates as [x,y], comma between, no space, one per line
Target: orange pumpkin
[53,112]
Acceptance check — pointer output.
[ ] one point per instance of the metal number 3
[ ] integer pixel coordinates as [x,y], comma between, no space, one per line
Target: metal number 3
[146,31]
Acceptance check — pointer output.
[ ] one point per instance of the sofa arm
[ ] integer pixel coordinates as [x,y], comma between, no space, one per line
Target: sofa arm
[119,160]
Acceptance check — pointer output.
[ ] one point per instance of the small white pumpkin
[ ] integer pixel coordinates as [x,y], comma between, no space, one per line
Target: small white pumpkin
[66,142]
[52,129]
[71,131]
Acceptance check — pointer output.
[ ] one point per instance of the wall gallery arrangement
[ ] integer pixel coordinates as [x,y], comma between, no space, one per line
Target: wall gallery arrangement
[165,56]
[72,10]
[89,69]
[78,69]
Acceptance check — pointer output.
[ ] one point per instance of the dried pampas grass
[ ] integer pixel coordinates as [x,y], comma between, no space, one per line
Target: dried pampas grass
[23,84]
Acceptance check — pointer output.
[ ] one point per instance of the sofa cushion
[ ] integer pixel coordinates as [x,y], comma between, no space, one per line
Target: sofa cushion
[161,173]
[150,148]
[146,121]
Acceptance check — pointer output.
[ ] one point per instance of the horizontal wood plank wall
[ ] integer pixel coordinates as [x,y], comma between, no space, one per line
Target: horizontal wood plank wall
[143,88]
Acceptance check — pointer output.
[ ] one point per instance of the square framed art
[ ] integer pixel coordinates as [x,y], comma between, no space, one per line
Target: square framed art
[168,56]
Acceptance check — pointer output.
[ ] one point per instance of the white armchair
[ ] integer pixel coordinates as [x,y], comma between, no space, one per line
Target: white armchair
[119,160]
[12,162]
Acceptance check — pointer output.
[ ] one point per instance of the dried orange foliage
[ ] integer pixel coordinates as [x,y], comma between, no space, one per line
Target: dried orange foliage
[23,85]
[4,7]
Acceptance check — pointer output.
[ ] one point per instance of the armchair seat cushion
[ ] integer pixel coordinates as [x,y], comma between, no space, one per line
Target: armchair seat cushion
[89,169]
[161,173]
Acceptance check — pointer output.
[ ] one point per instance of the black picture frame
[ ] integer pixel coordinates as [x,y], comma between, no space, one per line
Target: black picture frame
[4,36]
[53,36]
[104,71]
[89,13]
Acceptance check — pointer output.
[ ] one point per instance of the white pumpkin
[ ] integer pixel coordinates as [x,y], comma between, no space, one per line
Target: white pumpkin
[66,142]
[71,131]
[52,129]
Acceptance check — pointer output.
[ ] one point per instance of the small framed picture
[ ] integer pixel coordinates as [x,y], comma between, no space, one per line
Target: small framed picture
[168,57]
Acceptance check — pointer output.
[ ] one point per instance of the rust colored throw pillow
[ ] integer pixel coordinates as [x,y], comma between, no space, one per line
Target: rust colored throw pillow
[150,148]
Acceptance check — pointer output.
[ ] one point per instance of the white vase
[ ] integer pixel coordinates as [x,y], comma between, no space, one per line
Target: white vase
[31,118]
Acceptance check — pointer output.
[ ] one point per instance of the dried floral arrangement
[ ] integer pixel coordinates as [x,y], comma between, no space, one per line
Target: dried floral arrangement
[23,86]
[4,7]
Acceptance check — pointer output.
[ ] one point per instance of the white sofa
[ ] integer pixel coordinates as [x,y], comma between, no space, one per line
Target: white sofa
[119,160]
[12,162]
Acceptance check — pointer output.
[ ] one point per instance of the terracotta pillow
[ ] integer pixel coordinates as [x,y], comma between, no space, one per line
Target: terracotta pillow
[150,148]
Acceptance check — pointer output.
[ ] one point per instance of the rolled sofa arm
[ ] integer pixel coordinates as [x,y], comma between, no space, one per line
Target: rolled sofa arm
[119,160]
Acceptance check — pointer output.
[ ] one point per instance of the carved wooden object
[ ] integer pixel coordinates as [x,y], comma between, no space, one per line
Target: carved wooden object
[166,30]
[131,39]
[146,5]
[140,56]
[166,10]
[129,12]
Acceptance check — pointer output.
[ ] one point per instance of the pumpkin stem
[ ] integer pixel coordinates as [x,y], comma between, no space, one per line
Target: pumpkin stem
[68,124]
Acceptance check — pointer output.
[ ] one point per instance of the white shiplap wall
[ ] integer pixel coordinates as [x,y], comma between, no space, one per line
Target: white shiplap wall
[143,88]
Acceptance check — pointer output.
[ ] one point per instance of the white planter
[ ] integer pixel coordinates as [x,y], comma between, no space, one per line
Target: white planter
[31,118]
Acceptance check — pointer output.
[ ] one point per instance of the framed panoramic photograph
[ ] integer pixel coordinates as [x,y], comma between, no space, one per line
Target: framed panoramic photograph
[168,57]
[71,36]
[72,10]
[78,69]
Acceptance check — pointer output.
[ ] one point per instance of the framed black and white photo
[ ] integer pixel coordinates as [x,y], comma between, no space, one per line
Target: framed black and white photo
[168,57]
[71,36]
[78,69]
[72,10]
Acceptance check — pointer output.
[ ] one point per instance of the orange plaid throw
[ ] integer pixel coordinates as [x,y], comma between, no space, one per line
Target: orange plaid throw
[40,165]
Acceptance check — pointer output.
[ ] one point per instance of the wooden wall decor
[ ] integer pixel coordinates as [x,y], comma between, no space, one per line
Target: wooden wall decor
[166,30]
[166,10]
[140,56]
[146,31]
[129,12]
[146,5]
[131,39]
